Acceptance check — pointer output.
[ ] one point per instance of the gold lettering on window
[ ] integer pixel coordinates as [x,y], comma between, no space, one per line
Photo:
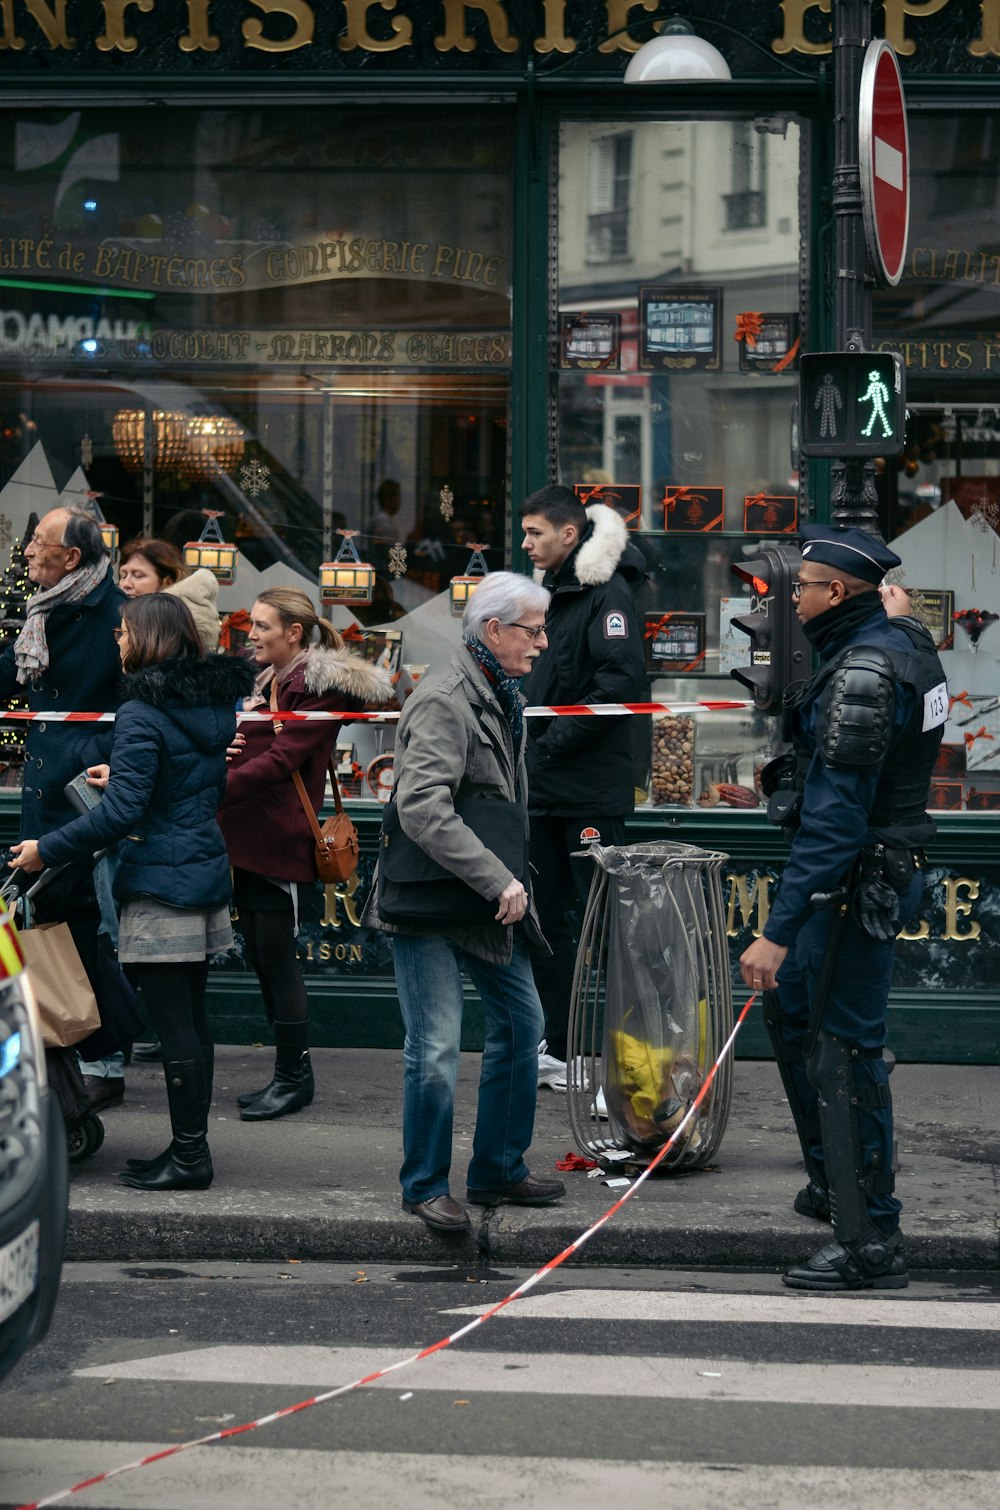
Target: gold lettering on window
[793,38]
[619,15]
[301,14]
[956,907]
[750,895]
[342,893]
[554,38]
[987,44]
[358,35]
[50,19]
[456,36]
[115,37]
[199,36]
[922,931]
[896,12]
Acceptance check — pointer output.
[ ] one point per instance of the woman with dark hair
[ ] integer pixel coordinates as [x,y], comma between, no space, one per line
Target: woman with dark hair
[166,776]
[270,840]
[149,565]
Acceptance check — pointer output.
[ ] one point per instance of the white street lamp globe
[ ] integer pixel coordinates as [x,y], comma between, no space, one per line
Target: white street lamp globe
[677,56]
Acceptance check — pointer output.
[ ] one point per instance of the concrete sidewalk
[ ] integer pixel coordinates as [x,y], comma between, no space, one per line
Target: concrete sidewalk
[323,1184]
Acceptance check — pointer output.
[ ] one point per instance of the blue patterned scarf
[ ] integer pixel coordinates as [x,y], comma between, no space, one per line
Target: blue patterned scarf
[505,687]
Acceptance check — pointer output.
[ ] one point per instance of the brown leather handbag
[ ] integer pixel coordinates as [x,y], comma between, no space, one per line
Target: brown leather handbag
[337,846]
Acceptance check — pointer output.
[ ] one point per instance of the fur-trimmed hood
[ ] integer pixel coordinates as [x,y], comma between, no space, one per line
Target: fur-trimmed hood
[213,681]
[343,671]
[604,549]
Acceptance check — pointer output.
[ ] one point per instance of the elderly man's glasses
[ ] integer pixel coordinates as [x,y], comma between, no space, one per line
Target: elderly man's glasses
[798,586]
[533,631]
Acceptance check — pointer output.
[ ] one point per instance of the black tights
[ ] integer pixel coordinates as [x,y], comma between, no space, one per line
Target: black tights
[269,939]
[174,995]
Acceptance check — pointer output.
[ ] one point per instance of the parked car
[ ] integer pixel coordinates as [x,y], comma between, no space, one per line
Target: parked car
[34,1185]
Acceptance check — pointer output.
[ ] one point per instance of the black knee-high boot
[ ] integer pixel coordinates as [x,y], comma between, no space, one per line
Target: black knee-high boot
[187,1163]
[293,1086]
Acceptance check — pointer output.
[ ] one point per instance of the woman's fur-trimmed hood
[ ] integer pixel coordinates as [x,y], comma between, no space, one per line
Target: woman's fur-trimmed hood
[343,671]
[212,681]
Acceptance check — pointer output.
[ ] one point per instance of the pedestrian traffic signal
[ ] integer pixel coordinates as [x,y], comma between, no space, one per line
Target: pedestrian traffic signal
[779,651]
[852,404]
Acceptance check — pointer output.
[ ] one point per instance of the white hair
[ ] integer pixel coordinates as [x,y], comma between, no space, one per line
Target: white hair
[503,595]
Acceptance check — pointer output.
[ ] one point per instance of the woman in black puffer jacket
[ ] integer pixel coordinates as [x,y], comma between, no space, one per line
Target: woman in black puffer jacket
[166,777]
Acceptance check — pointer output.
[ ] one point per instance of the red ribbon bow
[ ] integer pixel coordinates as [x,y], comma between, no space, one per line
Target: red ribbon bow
[652,630]
[983,733]
[959,697]
[748,326]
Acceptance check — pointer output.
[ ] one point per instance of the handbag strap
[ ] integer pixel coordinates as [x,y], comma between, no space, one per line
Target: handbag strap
[300,785]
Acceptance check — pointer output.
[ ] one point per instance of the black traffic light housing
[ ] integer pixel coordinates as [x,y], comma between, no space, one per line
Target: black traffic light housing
[852,404]
[779,650]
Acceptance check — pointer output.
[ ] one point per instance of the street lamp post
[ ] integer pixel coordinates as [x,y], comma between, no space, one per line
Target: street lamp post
[853,498]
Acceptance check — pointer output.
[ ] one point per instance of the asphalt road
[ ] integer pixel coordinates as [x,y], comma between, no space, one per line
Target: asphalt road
[658,1387]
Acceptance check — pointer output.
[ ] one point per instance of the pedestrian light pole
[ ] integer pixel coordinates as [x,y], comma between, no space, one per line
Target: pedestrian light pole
[853,497]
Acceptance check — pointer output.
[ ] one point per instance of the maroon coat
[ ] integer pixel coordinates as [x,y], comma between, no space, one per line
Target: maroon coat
[261,817]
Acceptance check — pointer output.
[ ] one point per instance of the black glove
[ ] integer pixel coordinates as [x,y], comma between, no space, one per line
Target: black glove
[876,909]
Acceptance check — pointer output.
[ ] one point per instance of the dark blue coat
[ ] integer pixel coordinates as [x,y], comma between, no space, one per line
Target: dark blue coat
[168,773]
[837,803]
[84,676]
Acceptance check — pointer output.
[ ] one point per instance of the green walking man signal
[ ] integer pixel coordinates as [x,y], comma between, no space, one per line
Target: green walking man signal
[852,404]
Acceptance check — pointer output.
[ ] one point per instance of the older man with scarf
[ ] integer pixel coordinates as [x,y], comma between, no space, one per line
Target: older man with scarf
[65,660]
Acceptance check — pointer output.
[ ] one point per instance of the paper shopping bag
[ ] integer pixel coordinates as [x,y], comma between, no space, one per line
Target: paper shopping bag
[66,1002]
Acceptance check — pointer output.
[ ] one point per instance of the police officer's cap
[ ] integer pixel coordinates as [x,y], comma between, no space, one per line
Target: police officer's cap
[848,550]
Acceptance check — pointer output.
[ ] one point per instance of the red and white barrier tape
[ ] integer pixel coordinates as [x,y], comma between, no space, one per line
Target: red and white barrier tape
[435,1347]
[562,710]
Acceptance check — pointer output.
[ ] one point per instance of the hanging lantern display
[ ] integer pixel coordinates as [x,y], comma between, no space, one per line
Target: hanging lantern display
[211,551]
[109,532]
[346,579]
[215,443]
[462,588]
[197,445]
[169,436]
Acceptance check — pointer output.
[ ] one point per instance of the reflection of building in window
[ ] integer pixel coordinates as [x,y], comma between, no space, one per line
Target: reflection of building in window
[610,189]
[746,206]
[970,180]
[679,327]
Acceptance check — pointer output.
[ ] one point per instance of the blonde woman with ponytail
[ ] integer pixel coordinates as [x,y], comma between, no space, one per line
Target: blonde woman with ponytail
[268,836]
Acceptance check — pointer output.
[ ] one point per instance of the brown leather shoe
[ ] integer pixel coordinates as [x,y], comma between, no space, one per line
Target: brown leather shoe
[102,1093]
[441,1212]
[529,1192]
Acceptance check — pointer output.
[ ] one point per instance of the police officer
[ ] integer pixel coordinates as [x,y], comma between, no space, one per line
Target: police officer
[865,731]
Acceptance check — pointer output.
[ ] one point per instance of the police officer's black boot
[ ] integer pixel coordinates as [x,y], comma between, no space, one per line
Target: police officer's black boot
[187,1163]
[862,1257]
[292,1087]
[814,1198]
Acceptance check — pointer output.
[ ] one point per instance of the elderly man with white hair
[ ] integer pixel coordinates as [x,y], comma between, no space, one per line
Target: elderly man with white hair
[460,797]
[65,660]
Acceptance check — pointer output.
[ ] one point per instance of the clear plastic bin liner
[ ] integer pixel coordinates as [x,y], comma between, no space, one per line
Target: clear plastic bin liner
[652,1001]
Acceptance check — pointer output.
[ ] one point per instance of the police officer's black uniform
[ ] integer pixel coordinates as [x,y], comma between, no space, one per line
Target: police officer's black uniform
[865,731]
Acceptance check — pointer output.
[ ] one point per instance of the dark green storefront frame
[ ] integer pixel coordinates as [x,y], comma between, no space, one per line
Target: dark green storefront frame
[934,1026]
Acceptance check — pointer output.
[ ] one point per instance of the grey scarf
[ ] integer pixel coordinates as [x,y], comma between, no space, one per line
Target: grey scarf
[31,648]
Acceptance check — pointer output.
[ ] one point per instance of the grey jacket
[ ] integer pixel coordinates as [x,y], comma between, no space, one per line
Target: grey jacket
[453,737]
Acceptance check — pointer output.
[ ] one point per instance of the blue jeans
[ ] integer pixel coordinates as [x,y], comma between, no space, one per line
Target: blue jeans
[429,983]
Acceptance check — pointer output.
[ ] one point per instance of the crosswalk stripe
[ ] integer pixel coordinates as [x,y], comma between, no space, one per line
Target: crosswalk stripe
[230,1479]
[800,1309]
[466,1371]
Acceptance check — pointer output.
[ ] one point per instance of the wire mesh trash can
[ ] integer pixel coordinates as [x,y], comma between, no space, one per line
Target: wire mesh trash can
[651,1007]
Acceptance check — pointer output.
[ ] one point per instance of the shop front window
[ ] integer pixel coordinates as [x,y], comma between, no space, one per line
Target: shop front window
[297,319]
[675,384]
[941,497]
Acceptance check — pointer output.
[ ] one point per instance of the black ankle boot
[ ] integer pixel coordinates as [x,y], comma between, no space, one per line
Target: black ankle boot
[191,1170]
[287,1093]
[160,1158]
[187,1163]
[309,1085]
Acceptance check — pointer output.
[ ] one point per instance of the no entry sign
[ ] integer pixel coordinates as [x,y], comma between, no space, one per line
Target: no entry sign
[884,152]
